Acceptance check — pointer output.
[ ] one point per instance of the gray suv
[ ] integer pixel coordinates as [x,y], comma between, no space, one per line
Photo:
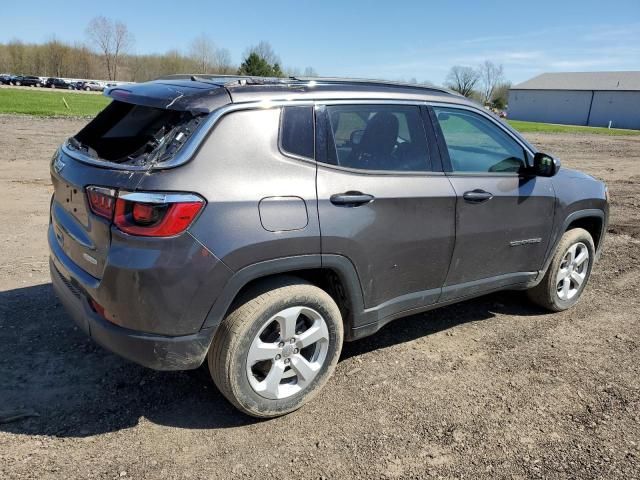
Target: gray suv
[255,224]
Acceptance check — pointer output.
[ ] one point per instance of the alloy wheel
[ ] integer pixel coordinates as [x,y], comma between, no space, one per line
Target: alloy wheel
[573,271]
[288,352]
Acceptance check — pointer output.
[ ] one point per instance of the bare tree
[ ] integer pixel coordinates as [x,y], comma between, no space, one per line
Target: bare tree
[490,76]
[310,72]
[203,52]
[112,38]
[123,41]
[16,54]
[265,51]
[462,79]
[56,55]
[223,62]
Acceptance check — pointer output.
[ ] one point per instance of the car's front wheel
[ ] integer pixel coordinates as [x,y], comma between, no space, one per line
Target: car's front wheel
[568,272]
[277,347]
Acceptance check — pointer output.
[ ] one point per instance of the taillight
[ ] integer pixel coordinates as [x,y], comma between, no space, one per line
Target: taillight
[156,214]
[149,214]
[101,201]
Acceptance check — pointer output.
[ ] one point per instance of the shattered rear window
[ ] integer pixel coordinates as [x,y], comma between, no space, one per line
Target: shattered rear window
[135,134]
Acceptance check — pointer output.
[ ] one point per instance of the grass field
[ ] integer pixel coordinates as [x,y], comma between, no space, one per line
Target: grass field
[46,103]
[528,127]
[50,103]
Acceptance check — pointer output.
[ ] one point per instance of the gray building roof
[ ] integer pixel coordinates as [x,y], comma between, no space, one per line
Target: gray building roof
[582,81]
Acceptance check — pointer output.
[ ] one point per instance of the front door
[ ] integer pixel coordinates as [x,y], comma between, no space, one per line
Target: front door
[381,204]
[503,218]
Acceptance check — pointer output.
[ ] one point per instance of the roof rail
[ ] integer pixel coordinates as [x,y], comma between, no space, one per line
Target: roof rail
[239,80]
[368,81]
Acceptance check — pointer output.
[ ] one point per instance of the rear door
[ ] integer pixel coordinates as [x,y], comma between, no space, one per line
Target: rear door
[382,202]
[503,218]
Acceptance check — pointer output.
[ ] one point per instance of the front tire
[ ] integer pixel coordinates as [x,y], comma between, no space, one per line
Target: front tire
[277,347]
[568,272]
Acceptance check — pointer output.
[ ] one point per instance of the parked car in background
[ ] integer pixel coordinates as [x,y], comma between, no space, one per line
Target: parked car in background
[371,201]
[26,81]
[89,86]
[59,83]
[5,79]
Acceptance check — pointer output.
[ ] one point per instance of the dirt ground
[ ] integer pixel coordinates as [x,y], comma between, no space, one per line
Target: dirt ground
[491,388]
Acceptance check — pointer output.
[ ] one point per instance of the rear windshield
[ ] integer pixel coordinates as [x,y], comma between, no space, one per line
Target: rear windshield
[135,134]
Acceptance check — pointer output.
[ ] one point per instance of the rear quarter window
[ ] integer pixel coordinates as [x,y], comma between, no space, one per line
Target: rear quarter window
[296,132]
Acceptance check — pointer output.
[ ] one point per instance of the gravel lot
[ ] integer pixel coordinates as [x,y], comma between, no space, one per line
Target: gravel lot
[491,388]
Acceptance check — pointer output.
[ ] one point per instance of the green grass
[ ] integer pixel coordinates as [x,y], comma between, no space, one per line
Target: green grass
[50,103]
[532,127]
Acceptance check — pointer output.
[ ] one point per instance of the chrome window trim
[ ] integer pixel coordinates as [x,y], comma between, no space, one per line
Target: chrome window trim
[194,142]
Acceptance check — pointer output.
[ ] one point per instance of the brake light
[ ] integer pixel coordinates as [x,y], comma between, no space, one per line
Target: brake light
[101,201]
[156,214]
[149,214]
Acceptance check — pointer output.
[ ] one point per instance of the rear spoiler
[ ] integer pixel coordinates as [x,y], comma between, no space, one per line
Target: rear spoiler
[194,97]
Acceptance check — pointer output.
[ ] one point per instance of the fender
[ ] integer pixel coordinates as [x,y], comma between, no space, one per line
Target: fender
[573,216]
[338,264]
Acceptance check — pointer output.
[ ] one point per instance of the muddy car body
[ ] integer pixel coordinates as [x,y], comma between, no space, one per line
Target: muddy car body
[257,223]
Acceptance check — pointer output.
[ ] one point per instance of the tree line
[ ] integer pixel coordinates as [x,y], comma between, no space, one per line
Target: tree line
[486,84]
[108,54]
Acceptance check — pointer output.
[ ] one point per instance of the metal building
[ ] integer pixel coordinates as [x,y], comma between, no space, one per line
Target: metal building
[579,98]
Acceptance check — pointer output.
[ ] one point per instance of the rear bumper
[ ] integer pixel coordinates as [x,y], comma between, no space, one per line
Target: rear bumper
[158,352]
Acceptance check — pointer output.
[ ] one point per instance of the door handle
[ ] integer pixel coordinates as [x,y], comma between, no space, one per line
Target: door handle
[477,196]
[351,199]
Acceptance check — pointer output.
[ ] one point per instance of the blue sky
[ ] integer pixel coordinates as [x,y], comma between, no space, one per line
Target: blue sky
[394,40]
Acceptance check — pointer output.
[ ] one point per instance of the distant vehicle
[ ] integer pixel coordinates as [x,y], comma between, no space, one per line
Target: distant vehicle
[503,114]
[26,81]
[89,86]
[5,79]
[59,83]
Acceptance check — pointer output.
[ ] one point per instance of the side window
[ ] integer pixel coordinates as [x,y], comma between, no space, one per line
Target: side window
[377,137]
[296,132]
[475,144]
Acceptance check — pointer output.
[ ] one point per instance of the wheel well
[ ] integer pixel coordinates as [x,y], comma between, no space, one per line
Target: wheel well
[323,278]
[593,225]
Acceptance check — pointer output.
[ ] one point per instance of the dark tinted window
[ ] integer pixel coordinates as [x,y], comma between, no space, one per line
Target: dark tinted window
[297,131]
[377,137]
[476,144]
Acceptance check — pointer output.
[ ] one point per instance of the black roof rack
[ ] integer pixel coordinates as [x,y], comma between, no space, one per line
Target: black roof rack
[239,80]
[368,81]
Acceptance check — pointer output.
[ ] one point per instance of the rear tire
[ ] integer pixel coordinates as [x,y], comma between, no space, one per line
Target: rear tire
[568,272]
[277,347]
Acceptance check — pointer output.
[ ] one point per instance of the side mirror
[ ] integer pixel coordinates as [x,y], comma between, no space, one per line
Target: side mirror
[545,165]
